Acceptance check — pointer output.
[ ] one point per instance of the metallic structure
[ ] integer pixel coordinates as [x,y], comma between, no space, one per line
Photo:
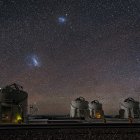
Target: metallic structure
[96,110]
[79,108]
[129,108]
[13,104]
[33,109]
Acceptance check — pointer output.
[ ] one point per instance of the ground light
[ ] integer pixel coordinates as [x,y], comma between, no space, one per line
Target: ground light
[98,115]
[18,119]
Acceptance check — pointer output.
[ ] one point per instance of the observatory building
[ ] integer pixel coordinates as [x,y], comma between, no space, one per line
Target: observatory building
[79,108]
[96,110]
[13,104]
[129,108]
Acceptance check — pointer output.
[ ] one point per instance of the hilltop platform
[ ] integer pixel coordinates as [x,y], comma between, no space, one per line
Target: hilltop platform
[71,131]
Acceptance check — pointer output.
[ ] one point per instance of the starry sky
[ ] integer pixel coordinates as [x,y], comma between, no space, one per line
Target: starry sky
[62,49]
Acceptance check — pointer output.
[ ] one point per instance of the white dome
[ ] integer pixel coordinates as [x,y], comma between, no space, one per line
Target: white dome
[95,105]
[129,103]
[80,103]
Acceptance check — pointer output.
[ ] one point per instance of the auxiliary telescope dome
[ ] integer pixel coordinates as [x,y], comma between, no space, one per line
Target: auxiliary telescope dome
[79,108]
[13,104]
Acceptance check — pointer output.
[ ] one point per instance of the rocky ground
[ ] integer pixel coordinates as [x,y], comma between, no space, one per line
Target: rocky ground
[99,133]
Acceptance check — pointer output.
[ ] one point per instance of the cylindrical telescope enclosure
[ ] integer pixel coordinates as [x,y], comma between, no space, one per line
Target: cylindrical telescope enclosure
[96,110]
[129,108]
[13,104]
[79,108]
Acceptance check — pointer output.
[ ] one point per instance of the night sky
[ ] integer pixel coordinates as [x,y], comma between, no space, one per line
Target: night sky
[62,49]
